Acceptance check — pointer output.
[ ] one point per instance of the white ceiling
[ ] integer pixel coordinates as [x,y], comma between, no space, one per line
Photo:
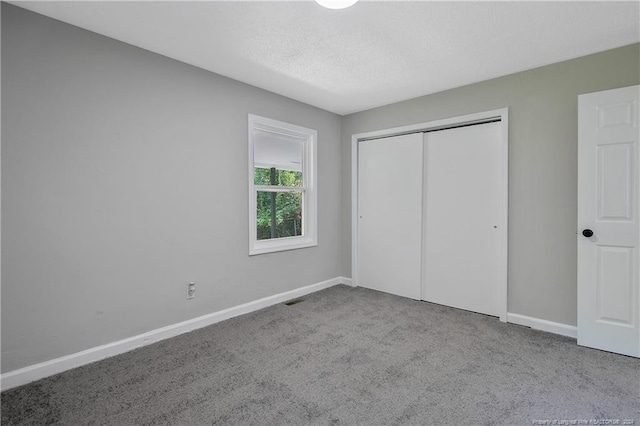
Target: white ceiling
[371,54]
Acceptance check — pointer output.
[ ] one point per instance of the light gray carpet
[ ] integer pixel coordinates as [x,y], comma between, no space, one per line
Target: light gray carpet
[343,356]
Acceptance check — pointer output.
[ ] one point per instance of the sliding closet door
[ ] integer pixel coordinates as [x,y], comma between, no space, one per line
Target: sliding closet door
[463,205]
[390,214]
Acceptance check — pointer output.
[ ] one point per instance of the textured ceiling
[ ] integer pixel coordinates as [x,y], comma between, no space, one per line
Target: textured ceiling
[371,54]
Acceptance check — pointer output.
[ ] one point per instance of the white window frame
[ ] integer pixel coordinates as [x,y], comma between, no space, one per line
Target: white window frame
[309,237]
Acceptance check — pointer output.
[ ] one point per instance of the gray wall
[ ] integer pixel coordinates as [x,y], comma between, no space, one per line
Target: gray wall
[542,166]
[124,176]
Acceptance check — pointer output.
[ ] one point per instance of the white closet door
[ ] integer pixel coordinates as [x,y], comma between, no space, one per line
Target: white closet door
[390,214]
[462,239]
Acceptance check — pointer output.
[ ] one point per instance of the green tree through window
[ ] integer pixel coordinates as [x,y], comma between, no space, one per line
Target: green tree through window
[279,214]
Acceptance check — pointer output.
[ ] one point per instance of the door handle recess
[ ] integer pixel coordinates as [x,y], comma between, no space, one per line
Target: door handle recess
[587,233]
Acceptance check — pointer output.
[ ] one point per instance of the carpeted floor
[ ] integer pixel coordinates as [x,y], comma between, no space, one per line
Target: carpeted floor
[343,356]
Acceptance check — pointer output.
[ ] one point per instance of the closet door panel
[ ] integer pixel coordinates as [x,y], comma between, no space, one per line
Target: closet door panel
[462,239]
[390,214]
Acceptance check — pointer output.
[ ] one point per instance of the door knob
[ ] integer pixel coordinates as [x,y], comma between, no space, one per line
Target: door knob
[587,233]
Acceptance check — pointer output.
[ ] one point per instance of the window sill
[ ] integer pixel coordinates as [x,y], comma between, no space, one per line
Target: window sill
[281,244]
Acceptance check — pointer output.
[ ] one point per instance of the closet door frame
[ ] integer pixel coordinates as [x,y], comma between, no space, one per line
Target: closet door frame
[477,118]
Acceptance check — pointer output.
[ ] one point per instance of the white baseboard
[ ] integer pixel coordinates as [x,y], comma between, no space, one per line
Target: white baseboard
[346,281]
[543,325]
[49,368]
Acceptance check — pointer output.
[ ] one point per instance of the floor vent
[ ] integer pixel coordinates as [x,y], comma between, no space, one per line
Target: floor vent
[293,302]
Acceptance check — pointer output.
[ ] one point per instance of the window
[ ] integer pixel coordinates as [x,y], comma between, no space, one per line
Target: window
[282,179]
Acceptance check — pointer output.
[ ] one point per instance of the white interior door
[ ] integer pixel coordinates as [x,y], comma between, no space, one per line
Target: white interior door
[390,214]
[463,201]
[608,235]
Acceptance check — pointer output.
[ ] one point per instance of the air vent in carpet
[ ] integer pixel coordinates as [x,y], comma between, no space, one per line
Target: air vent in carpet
[293,302]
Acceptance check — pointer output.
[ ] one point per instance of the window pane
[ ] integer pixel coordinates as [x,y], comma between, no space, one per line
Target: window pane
[277,159]
[284,219]
[273,176]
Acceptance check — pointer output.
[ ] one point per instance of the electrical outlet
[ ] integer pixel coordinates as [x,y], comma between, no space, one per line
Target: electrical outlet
[191,290]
